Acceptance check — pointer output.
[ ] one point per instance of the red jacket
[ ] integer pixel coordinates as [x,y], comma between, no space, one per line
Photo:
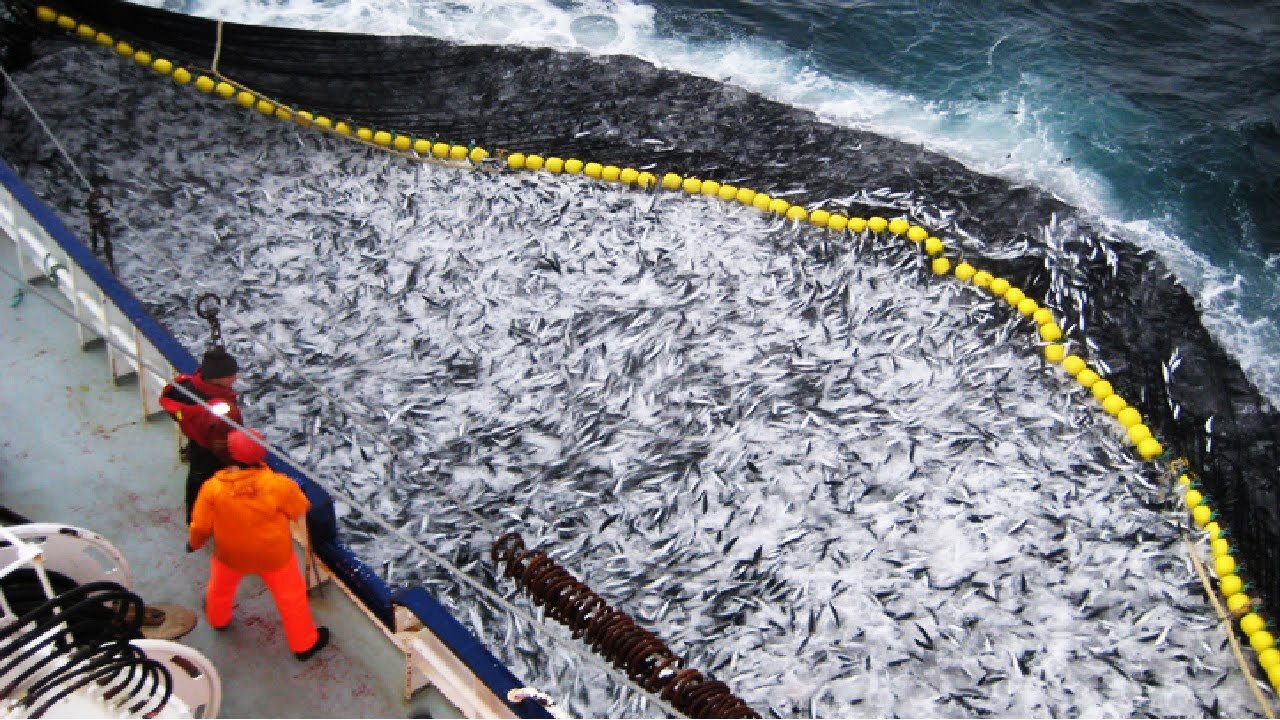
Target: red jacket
[198,424]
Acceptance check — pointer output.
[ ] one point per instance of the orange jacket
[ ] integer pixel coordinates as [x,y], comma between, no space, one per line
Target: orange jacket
[247,511]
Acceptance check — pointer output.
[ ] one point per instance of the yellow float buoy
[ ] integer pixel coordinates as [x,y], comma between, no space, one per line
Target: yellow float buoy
[459,153]
[1013,296]
[982,279]
[515,161]
[573,166]
[711,188]
[672,181]
[162,66]
[778,206]
[1087,377]
[1129,417]
[365,134]
[1113,404]
[746,196]
[85,32]
[839,222]
[1042,316]
[857,224]
[124,49]
[104,39]
[403,143]
[343,128]
[691,185]
[610,173]
[593,170]
[45,13]
[284,113]
[1073,364]
[1215,531]
[205,84]
[440,150]
[1150,448]
[143,58]
[1138,433]
[917,234]
[182,76]
[898,226]
[629,176]
[421,146]
[1049,331]
[1231,584]
[1239,603]
[323,122]
[1269,658]
[999,286]
[1224,565]
[1027,307]
[965,271]
[819,218]
[383,138]
[1200,515]
[761,201]
[1220,546]
[1273,675]
[245,99]
[941,266]
[266,107]
[797,214]
[478,155]
[877,224]
[1053,352]
[1252,623]
[554,165]
[531,162]
[933,246]
[66,22]
[1101,390]
[728,192]
[646,179]
[1261,641]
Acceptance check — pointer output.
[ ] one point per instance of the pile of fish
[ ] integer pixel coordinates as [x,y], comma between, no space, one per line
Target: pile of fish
[839,483]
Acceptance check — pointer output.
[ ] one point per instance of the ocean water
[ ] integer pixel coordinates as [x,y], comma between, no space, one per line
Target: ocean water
[1159,119]
[842,485]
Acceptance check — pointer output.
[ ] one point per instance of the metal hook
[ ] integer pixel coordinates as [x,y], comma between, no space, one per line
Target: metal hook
[207,307]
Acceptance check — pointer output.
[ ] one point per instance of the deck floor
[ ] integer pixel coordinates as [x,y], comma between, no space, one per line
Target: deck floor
[74,450]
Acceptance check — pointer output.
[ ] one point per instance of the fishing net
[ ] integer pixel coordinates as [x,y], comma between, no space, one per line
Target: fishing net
[1138,323]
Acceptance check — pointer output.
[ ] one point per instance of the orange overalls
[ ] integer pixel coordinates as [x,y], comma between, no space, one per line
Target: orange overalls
[247,511]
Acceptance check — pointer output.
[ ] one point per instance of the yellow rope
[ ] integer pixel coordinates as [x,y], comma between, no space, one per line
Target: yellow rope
[1225,617]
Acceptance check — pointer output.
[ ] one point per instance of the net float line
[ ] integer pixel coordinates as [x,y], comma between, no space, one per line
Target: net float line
[613,634]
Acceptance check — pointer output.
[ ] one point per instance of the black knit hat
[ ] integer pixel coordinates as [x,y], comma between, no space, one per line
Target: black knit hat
[218,363]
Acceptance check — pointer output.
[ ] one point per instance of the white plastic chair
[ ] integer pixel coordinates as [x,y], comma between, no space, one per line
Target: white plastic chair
[82,555]
[195,679]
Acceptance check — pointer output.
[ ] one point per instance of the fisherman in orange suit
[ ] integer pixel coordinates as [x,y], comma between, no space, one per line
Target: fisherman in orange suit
[246,508]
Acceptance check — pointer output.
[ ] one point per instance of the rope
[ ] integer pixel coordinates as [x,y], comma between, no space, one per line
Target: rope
[217,50]
[1225,617]
[18,91]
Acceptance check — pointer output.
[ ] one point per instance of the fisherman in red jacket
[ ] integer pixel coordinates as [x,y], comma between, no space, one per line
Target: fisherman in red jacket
[204,427]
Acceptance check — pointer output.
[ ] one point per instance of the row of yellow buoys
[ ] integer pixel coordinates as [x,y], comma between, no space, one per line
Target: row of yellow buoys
[1232,587]
[1147,446]
[1050,332]
[421,147]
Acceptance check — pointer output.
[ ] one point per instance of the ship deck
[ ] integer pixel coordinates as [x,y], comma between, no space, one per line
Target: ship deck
[74,450]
